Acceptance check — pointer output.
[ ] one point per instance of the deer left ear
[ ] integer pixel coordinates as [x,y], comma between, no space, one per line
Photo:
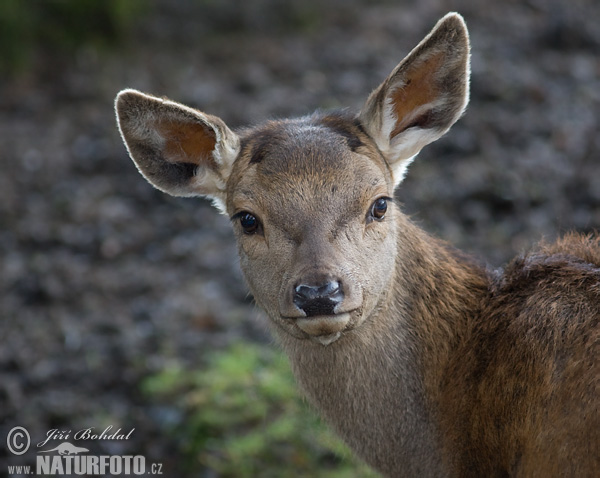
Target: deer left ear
[424,95]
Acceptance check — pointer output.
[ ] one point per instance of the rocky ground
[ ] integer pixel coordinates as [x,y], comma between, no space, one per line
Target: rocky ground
[104,280]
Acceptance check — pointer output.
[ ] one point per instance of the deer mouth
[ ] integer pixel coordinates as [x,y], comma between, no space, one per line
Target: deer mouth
[324,329]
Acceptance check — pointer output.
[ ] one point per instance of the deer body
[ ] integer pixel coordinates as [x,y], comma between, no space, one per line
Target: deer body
[425,362]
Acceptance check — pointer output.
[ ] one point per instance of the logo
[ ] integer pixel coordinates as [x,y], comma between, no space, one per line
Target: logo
[67,458]
[66,449]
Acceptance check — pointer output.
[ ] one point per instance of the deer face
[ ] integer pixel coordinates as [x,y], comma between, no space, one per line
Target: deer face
[310,199]
[311,206]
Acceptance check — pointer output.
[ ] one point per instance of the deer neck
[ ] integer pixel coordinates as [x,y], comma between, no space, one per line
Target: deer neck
[382,379]
[438,293]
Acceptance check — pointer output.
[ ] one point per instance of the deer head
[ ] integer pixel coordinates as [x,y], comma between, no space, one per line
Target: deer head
[310,199]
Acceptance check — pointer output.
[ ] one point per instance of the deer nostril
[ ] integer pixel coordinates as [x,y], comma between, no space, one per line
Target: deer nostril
[320,299]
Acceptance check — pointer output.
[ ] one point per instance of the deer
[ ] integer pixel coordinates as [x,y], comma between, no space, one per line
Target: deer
[425,361]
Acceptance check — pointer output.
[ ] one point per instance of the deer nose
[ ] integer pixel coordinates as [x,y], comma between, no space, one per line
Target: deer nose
[319,299]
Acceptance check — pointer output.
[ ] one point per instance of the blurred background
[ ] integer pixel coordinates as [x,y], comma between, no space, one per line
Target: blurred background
[122,307]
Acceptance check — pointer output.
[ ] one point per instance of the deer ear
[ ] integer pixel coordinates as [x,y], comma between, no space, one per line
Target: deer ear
[424,95]
[179,150]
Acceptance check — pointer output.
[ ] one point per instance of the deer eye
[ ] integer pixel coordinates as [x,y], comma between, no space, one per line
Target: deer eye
[250,223]
[378,209]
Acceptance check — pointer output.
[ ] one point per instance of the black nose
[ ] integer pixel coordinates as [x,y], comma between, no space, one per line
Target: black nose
[319,299]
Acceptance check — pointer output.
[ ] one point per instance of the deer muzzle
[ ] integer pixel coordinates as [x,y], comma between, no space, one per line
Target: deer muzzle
[320,306]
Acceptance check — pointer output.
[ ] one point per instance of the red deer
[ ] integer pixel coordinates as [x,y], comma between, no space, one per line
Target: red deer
[425,362]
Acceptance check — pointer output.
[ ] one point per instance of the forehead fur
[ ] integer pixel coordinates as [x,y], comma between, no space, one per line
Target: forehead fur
[307,161]
[292,144]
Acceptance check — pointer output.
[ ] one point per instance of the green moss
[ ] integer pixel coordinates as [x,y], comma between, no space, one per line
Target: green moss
[243,417]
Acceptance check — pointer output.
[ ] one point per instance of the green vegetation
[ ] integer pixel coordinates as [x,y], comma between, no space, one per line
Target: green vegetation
[243,417]
[59,27]
[49,29]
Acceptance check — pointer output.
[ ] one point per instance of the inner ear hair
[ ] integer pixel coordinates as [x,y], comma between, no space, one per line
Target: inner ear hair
[187,142]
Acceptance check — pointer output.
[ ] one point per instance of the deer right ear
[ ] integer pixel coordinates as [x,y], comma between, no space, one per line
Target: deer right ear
[424,95]
[179,150]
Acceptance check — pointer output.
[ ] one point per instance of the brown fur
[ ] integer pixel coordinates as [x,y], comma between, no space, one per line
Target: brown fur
[429,364]
[525,386]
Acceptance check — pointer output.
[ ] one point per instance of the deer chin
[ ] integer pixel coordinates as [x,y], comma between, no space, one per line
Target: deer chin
[324,329]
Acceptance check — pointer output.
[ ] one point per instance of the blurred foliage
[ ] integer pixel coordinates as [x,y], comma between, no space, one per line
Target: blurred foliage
[32,29]
[266,16]
[57,27]
[243,417]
